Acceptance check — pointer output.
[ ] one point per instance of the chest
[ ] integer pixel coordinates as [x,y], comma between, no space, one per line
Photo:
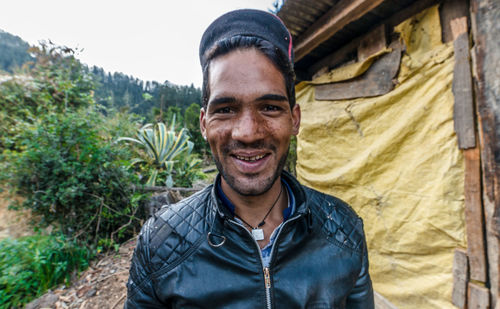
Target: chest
[304,271]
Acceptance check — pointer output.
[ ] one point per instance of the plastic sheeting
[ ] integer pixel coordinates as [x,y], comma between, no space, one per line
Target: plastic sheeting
[395,159]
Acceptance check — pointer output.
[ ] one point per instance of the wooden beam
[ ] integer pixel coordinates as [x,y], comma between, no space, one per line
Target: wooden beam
[479,297]
[474,215]
[377,80]
[339,56]
[374,42]
[449,10]
[463,109]
[486,37]
[340,15]
[460,279]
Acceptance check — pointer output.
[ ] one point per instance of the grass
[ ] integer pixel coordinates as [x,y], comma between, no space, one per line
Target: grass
[30,265]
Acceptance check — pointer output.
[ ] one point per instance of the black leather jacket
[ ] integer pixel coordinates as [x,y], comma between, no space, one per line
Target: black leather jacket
[195,255]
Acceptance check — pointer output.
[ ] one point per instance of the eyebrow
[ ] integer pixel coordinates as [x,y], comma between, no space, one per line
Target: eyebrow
[222,100]
[266,97]
[272,97]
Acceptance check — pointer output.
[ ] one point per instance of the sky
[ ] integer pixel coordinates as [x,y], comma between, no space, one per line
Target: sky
[154,40]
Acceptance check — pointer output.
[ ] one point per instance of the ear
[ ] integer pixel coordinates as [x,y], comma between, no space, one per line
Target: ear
[203,127]
[296,119]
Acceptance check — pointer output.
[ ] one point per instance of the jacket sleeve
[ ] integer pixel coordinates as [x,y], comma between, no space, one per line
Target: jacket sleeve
[361,296]
[140,289]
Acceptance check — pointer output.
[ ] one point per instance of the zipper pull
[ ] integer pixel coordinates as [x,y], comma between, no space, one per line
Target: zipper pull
[267,277]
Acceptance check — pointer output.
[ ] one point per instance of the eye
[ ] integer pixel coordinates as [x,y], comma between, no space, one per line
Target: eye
[223,110]
[271,108]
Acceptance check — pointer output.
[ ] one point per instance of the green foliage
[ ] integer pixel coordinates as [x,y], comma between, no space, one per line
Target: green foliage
[174,112]
[192,121]
[121,91]
[13,52]
[291,160]
[31,265]
[159,148]
[74,178]
[187,170]
[116,90]
[55,83]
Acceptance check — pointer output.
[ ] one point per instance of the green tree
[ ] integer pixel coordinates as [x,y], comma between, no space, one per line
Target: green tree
[192,121]
[55,83]
[174,112]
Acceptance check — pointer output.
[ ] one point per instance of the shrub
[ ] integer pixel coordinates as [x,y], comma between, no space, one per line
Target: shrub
[57,82]
[291,159]
[74,178]
[158,150]
[191,118]
[31,265]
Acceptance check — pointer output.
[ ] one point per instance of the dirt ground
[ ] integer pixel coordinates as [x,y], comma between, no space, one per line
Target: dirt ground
[101,286]
[13,223]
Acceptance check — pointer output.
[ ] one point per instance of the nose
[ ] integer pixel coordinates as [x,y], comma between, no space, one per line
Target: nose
[249,128]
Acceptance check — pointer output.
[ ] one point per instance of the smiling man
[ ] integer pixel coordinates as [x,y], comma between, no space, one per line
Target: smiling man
[256,238]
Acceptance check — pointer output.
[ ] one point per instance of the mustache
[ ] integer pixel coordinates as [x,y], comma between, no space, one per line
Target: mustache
[238,145]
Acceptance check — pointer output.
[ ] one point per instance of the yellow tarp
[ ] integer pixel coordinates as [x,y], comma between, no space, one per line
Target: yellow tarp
[395,159]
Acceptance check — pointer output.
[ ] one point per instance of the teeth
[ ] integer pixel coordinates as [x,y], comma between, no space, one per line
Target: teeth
[254,158]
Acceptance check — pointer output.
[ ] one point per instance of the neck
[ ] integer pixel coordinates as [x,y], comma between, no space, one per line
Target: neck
[253,208]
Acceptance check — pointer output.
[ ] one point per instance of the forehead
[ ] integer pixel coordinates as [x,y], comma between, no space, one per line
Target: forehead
[244,74]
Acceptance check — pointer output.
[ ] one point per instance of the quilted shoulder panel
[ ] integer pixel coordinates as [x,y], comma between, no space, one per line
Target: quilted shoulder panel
[337,219]
[176,230]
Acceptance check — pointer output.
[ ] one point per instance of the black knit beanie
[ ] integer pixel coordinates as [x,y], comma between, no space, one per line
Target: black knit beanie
[247,22]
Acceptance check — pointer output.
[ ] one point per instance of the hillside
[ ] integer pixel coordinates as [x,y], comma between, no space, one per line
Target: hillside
[13,52]
[113,89]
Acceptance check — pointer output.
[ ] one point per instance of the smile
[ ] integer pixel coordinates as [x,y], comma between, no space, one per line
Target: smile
[250,159]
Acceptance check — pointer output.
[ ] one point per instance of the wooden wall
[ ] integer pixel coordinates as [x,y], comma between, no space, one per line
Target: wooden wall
[485,27]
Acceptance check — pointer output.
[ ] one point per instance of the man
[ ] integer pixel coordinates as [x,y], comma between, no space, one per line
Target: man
[256,238]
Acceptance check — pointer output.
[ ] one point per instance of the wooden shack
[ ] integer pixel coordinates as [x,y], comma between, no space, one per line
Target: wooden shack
[400,111]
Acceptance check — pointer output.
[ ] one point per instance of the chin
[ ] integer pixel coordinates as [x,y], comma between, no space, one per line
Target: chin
[251,187]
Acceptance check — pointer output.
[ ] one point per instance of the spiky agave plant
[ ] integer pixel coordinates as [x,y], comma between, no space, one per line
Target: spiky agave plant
[161,146]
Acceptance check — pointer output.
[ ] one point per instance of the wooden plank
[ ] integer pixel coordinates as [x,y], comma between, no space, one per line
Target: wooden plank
[340,15]
[460,279]
[474,215]
[377,80]
[479,297]
[486,36]
[382,303]
[374,42]
[449,10]
[339,56]
[462,86]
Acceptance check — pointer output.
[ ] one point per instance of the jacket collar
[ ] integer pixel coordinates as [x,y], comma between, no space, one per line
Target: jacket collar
[296,188]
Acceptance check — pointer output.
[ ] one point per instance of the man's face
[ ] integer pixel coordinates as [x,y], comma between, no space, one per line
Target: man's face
[248,122]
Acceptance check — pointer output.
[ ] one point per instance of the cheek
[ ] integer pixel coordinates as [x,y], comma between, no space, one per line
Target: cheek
[216,136]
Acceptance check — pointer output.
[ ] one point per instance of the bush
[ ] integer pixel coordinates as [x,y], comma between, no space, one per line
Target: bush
[191,118]
[57,82]
[162,152]
[291,159]
[31,265]
[75,178]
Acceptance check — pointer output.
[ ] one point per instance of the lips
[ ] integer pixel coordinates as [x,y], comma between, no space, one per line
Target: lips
[251,163]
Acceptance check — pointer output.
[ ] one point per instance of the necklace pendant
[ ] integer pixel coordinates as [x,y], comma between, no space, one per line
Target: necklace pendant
[258,234]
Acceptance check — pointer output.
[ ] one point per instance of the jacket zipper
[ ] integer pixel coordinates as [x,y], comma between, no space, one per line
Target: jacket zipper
[266,270]
[267,280]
